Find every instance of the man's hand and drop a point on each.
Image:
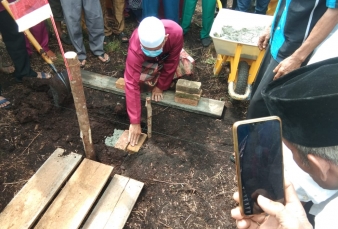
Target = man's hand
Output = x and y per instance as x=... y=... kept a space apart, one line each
x=134 y=134
x=264 y=38
x=287 y=65
x=157 y=94
x=290 y=216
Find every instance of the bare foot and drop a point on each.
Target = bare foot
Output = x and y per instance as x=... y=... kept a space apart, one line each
x=7 y=70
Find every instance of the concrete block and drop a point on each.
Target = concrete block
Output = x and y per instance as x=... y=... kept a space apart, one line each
x=187 y=86
x=120 y=84
x=190 y=102
x=184 y=95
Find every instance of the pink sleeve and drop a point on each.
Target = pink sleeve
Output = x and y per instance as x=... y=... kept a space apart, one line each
x=132 y=77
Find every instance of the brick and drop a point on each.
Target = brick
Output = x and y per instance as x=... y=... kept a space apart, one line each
x=184 y=95
x=120 y=84
x=191 y=87
x=135 y=149
x=122 y=142
x=190 y=102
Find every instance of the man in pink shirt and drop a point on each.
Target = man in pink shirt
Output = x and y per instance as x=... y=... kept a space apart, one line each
x=154 y=41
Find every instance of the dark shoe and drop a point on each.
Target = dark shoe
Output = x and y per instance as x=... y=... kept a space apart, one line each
x=40 y=76
x=65 y=39
x=206 y=41
x=123 y=37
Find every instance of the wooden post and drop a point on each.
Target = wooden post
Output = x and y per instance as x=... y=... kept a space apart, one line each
x=149 y=115
x=80 y=104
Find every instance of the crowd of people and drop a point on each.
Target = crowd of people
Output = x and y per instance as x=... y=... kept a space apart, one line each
x=303 y=95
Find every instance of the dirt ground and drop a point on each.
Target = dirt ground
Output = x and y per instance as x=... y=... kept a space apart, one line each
x=185 y=165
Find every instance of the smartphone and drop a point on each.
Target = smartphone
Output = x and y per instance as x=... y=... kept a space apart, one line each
x=259 y=162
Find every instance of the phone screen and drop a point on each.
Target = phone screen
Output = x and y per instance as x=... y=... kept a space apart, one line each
x=260 y=163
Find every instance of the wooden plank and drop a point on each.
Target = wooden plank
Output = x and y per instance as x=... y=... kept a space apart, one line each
x=136 y=148
x=116 y=204
x=208 y=107
x=71 y=206
x=104 y=208
x=125 y=205
x=38 y=192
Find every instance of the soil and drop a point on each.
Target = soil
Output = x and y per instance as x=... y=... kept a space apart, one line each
x=189 y=180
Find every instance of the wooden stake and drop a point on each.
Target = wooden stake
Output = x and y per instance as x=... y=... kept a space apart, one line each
x=80 y=104
x=149 y=115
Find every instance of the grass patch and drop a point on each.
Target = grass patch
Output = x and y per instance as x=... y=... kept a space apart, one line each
x=112 y=46
x=210 y=60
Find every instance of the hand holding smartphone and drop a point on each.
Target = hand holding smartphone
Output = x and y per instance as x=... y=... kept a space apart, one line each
x=259 y=162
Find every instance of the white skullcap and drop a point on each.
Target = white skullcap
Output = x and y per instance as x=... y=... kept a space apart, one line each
x=151 y=32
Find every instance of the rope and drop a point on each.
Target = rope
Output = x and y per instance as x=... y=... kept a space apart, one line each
x=144 y=129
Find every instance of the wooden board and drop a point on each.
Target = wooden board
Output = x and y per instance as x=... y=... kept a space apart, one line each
x=136 y=148
x=71 y=206
x=38 y=192
x=115 y=205
x=209 y=107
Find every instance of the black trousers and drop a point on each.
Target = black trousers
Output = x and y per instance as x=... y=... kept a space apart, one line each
x=16 y=46
x=257 y=107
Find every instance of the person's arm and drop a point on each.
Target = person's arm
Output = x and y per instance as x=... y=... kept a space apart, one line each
x=319 y=32
x=133 y=95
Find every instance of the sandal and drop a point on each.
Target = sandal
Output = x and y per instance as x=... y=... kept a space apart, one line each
x=40 y=75
x=82 y=63
x=106 y=40
x=4 y=101
x=123 y=37
x=103 y=57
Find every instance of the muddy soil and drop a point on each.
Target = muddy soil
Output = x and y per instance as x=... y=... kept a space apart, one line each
x=189 y=180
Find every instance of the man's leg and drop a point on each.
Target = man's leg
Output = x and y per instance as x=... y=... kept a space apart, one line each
x=150 y=8
x=208 y=13
x=261 y=6
x=95 y=26
x=118 y=8
x=107 y=28
x=257 y=107
x=16 y=47
x=243 y=5
x=188 y=11
x=171 y=9
x=72 y=12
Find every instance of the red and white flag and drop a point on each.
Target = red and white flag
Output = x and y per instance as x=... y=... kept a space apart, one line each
x=28 y=13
